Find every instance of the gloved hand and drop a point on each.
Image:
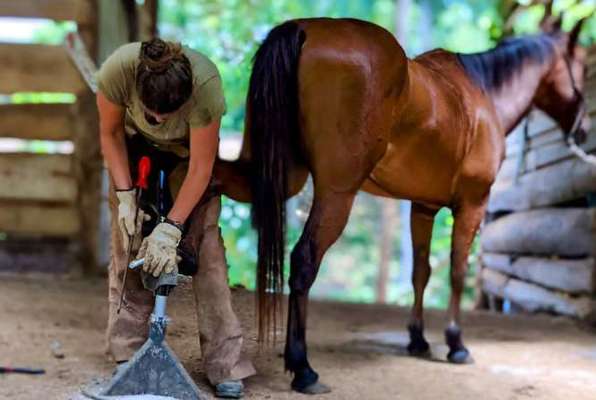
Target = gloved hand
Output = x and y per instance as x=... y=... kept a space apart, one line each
x=159 y=249
x=127 y=204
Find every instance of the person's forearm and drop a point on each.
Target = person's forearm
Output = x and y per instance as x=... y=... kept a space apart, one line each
x=190 y=193
x=113 y=147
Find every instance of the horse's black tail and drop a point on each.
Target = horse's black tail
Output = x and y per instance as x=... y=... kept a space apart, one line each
x=273 y=126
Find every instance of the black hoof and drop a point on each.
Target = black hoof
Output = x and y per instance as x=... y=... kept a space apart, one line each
x=418 y=346
x=458 y=354
x=316 y=388
x=307 y=382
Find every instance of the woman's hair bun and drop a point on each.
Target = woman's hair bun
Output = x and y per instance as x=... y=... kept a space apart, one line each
x=164 y=77
x=157 y=54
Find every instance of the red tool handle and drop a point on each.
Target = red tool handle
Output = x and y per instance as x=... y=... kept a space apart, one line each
x=144 y=170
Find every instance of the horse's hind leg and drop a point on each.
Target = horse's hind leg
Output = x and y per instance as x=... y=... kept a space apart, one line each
x=327 y=219
x=467 y=219
x=422 y=219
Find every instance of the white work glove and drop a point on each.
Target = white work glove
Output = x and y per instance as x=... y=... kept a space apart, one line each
x=127 y=205
x=159 y=249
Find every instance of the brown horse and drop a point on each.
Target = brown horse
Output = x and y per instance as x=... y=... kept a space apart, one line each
x=339 y=99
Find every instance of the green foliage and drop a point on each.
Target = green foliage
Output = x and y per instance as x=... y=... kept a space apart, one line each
x=53 y=32
x=240 y=240
x=42 y=97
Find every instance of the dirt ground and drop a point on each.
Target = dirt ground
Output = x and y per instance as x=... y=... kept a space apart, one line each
x=357 y=349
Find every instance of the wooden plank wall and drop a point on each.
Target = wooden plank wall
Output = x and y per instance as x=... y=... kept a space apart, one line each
x=37 y=121
x=37 y=68
x=48 y=196
x=39 y=192
x=81 y=11
x=539 y=242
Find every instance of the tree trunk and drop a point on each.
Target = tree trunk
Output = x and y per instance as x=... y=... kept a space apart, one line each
x=402 y=23
x=389 y=222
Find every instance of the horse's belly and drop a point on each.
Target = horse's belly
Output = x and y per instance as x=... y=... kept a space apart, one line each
x=413 y=177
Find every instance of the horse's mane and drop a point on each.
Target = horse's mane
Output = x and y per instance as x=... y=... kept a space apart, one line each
x=492 y=68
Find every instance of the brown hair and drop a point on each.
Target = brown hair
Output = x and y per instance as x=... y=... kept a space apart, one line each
x=164 y=76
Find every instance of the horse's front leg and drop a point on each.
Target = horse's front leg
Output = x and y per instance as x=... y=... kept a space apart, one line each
x=421 y=225
x=327 y=220
x=467 y=219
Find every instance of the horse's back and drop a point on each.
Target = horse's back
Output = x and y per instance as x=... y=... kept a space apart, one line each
x=357 y=47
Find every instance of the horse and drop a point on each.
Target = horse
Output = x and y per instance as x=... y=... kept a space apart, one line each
x=338 y=99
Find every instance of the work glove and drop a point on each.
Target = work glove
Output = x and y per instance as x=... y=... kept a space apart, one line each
x=159 y=249
x=127 y=205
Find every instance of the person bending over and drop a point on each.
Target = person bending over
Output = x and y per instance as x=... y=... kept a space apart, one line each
x=161 y=98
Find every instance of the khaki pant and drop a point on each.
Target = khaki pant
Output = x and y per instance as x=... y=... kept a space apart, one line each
x=220 y=333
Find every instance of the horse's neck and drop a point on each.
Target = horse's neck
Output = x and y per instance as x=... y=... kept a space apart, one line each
x=513 y=100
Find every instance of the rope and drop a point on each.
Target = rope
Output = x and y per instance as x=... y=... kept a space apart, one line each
x=580 y=153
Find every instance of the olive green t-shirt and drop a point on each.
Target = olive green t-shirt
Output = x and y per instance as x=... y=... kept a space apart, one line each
x=116 y=80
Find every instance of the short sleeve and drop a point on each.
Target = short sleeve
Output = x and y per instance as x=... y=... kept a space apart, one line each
x=209 y=103
x=117 y=73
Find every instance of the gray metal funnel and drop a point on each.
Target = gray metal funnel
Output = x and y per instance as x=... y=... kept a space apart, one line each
x=154 y=369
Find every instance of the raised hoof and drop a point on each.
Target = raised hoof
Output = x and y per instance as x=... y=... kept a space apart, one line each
x=418 y=346
x=461 y=356
x=315 y=388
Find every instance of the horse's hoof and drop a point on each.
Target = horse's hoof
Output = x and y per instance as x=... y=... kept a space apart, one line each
x=307 y=382
x=460 y=356
x=315 y=388
x=419 y=349
x=418 y=346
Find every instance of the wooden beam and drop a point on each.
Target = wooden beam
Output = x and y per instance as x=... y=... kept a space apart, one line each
x=559 y=183
x=567 y=232
x=534 y=298
x=37 y=177
x=39 y=219
x=542 y=155
x=540 y=122
x=36 y=121
x=568 y=275
x=80 y=11
x=494 y=282
x=37 y=68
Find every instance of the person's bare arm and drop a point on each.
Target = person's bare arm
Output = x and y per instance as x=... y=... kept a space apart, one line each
x=113 y=145
x=203 y=150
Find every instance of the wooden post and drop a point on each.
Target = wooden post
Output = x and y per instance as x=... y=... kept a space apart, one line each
x=87 y=161
x=117 y=25
x=88 y=169
x=148 y=20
